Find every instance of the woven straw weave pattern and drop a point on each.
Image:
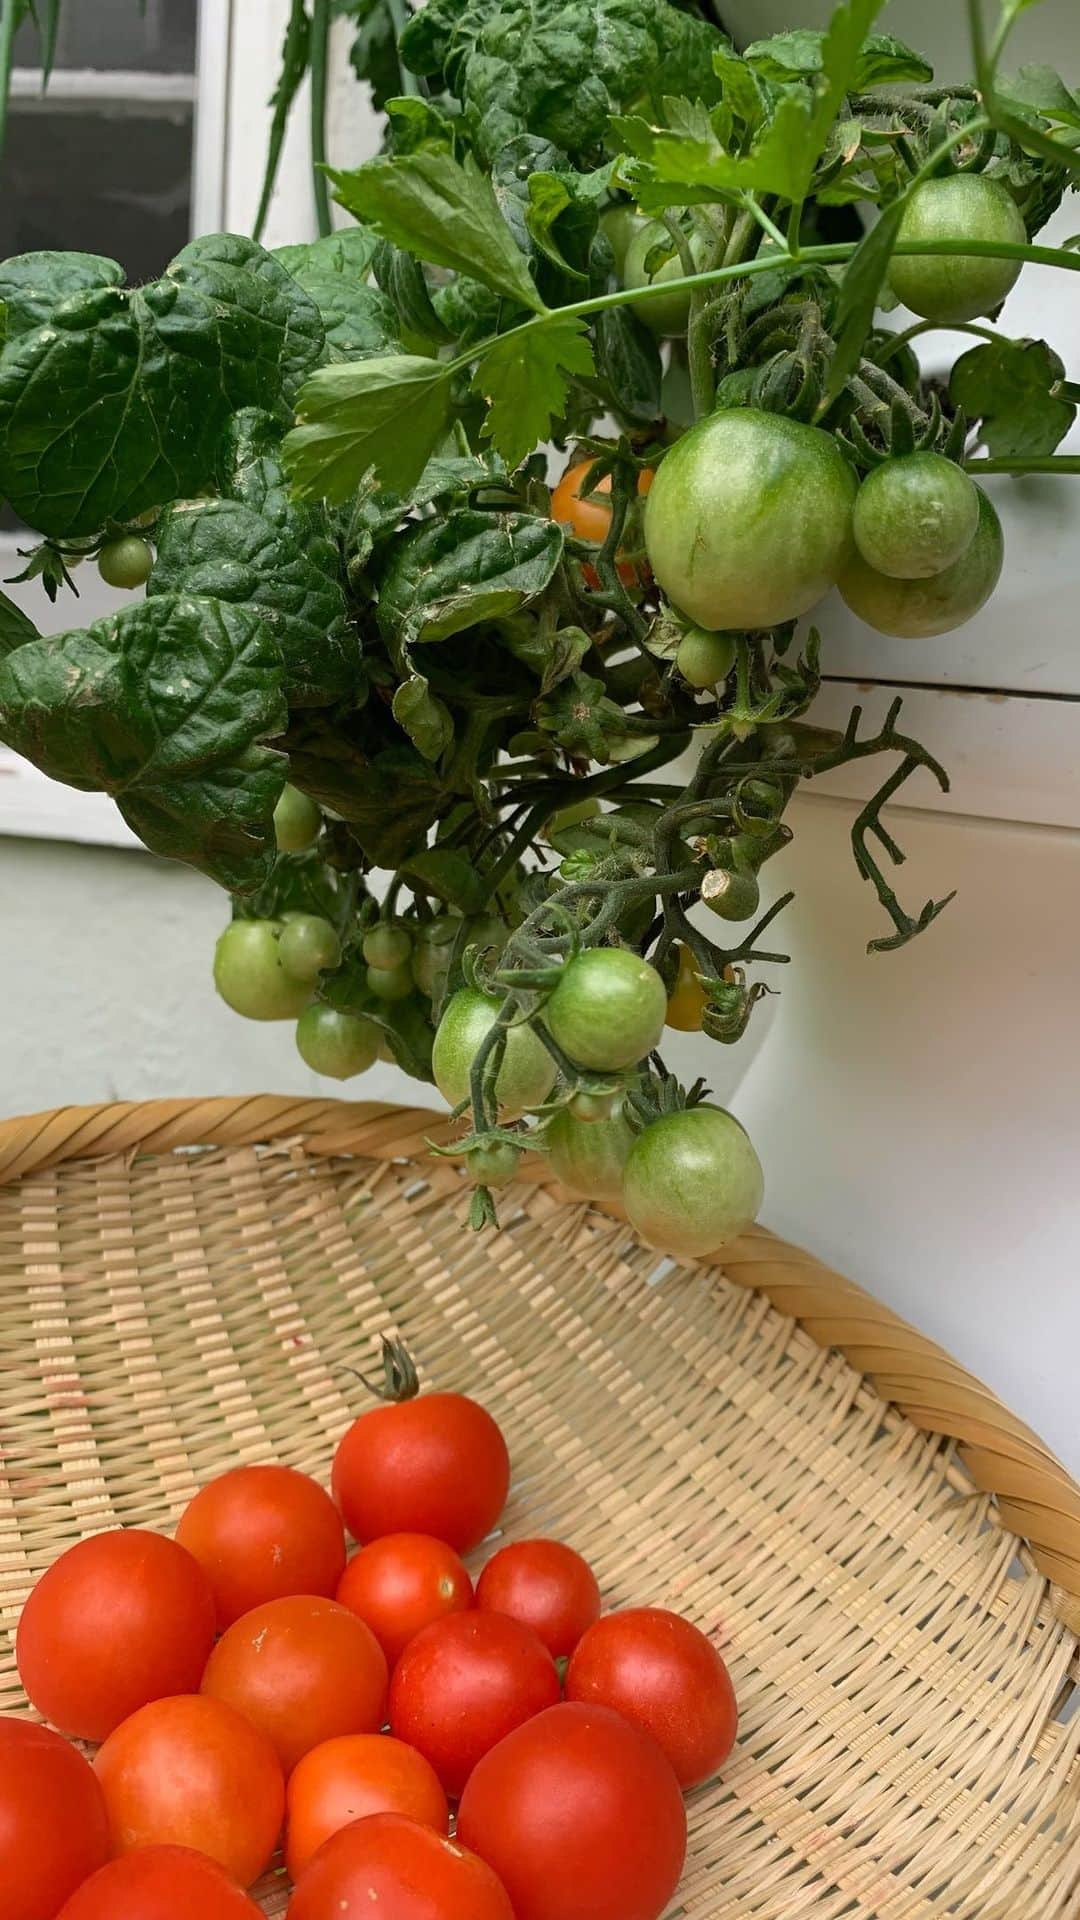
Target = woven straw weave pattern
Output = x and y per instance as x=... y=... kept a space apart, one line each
x=906 y=1750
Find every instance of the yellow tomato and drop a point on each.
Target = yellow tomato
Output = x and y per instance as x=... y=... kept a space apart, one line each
x=687 y=1000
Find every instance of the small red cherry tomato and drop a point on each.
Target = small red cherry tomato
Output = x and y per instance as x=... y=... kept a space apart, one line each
x=348 y=1779
x=661 y=1672
x=546 y=1586
x=433 y=1464
x=402 y=1582
x=261 y=1533
x=117 y=1620
x=302 y=1670
x=53 y=1826
x=463 y=1684
x=399 y=1871
x=161 y=1883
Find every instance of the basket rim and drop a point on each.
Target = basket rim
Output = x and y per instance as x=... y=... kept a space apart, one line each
x=1036 y=1497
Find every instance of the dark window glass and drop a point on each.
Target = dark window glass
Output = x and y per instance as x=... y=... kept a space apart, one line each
x=156 y=38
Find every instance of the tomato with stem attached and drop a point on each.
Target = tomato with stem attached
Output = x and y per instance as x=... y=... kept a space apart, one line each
x=262 y=1533
x=463 y=1684
x=921 y=609
x=126 y=562
x=607 y=1009
x=661 y=1672
x=435 y=1463
x=957 y=286
x=588 y=1156
x=665 y=314
x=545 y=1585
x=526 y=1073
x=350 y=1779
x=704 y=659
x=692 y=1182
x=53 y=1826
x=400 y=1870
x=915 y=516
x=400 y=1583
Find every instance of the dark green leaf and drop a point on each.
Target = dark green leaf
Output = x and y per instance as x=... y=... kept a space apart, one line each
x=883 y=60
x=628 y=364
x=348 y=252
x=524 y=377
x=389 y=797
x=374 y=53
x=444 y=212
x=859 y=290
x=165 y=706
x=552 y=656
x=16 y=628
x=463 y=568
x=416 y=123
x=1035 y=89
x=402 y=281
x=426 y=720
x=32 y=285
x=1009 y=386
x=387 y=414
x=451 y=877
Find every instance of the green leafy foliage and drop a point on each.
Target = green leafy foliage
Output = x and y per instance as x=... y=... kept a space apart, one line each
x=524 y=379
x=386 y=414
x=16 y=628
x=882 y=60
x=464 y=568
x=1014 y=389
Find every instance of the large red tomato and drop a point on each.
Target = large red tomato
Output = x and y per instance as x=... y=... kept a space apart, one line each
x=403 y=1582
x=261 y=1533
x=53 y=1829
x=660 y=1671
x=463 y=1684
x=116 y=1621
x=345 y=1780
x=581 y=1817
x=546 y=1586
x=301 y=1670
x=400 y=1871
x=161 y=1883
x=435 y=1464
x=192 y=1772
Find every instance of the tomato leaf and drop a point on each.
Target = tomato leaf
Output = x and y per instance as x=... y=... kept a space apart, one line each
x=402 y=281
x=32 y=285
x=348 y=252
x=883 y=61
x=1009 y=385
x=1039 y=90
x=16 y=628
x=552 y=656
x=165 y=706
x=863 y=278
x=628 y=364
x=451 y=877
x=426 y=720
x=524 y=378
x=387 y=414
x=443 y=211
x=465 y=567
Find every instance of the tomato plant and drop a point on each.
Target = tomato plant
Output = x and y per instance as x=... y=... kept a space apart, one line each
x=957 y=285
x=160 y=1883
x=402 y=1582
x=351 y=1778
x=116 y=1621
x=578 y=1812
x=463 y=1684
x=192 y=1772
x=692 y=1181
x=404 y=1870
x=302 y=1670
x=545 y=1585
x=53 y=1827
x=262 y=1533
x=659 y=1671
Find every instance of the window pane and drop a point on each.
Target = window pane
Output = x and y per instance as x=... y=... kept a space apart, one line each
x=117 y=33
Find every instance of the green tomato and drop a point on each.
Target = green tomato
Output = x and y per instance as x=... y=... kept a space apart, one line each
x=664 y=314
x=385 y=945
x=608 y=1009
x=336 y=1044
x=692 y=1182
x=493 y=1166
x=390 y=983
x=704 y=659
x=249 y=975
x=748 y=522
x=527 y=1073
x=296 y=821
x=126 y=562
x=431 y=952
x=620 y=224
x=957 y=286
x=589 y=1155
x=915 y=516
x=308 y=944
x=917 y=609
x=591 y=1107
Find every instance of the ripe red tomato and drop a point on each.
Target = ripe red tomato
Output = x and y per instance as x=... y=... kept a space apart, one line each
x=546 y=1586
x=581 y=1817
x=53 y=1829
x=405 y=1871
x=118 y=1620
x=463 y=1684
x=661 y=1672
x=301 y=1670
x=192 y=1772
x=348 y=1779
x=435 y=1464
x=589 y=519
x=403 y=1582
x=161 y=1883
x=261 y=1533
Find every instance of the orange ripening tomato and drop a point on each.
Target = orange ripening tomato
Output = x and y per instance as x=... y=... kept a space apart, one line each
x=261 y=1533
x=436 y=1463
x=590 y=518
x=402 y=1582
x=405 y=1872
x=161 y=1883
x=192 y=1772
x=348 y=1779
x=302 y=1670
x=53 y=1826
x=688 y=999
x=117 y=1620
x=546 y=1586
x=463 y=1684
x=661 y=1672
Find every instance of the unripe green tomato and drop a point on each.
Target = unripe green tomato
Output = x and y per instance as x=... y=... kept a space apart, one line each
x=526 y=1074
x=493 y=1166
x=591 y=1107
x=915 y=516
x=336 y=1044
x=385 y=945
x=608 y=1009
x=249 y=975
x=664 y=314
x=692 y=1182
x=957 y=286
x=126 y=562
x=431 y=952
x=589 y=1156
x=390 y=983
x=919 y=609
x=308 y=944
x=704 y=659
x=620 y=224
x=296 y=821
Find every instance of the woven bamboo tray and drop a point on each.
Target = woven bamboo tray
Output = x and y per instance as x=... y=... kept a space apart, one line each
x=889 y=1560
